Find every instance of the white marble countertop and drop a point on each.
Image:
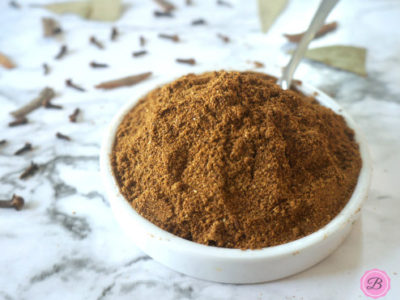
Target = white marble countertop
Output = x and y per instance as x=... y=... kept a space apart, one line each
x=66 y=244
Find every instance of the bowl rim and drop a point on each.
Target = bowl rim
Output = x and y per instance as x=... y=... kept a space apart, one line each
x=347 y=215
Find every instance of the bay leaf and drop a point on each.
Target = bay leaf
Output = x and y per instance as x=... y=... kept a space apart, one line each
x=105 y=10
x=346 y=58
x=268 y=11
x=80 y=8
x=6 y=62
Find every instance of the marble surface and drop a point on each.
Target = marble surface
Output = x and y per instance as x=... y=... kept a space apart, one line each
x=66 y=244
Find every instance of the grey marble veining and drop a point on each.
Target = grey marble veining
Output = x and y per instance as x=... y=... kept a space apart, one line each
x=66 y=243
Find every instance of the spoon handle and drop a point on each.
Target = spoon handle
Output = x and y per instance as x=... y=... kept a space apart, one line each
x=319 y=18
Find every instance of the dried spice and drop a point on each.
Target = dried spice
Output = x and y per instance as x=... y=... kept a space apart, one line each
x=70 y=84
x=165 y=5
x=6 y=62
x=50 y=27
x=269 y=11
x=63 y=51
x=96 y=42
x=188 y=61
x=232 y=160
x=46 y=69
x=16 y=202
x=142 y=41
x=61 y=136
x=224 y=38
x=73 y=117
x=163 y=14
x=139 y=53
x=172 y=37
x=223 y=3
x=18 y=122
x=29 y=171
x=126 y=81
x=27 y=147
x=199 y=22
x=3 y=142
x=94 y=64
x=258 y=64
x=45 y=95
x=348 y=58
x=296 y=38
x=114 y=33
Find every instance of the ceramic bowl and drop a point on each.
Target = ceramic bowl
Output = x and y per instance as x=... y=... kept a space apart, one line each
x=235 y=265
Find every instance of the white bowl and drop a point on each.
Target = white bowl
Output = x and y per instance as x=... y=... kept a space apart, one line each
x=235 y=265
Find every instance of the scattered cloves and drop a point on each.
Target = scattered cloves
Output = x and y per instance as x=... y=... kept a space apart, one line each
x=73 y=117
x=45 y=95
x=139 y=53
x=224 y=38
x=63 y=51
x=198 y=22
x=172 y=37
x=142 y=41
x=158 y=13
x=94 y=64
x=46 y=69
x=16 y=202
x=18 y=122
x=61 y=136
x=96 y=42
x=114 y=33
x=27 y=147
x=70 y=84
x=189 y=61
x=29 y=171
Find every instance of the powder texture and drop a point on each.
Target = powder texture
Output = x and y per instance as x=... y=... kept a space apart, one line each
x=230 y=159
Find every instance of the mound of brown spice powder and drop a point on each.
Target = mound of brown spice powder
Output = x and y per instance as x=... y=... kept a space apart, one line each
x=230 y=159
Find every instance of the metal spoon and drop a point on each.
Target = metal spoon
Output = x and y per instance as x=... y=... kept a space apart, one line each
x=319 y=18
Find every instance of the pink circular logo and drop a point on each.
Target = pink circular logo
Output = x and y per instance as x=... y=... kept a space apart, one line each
x=375 y=283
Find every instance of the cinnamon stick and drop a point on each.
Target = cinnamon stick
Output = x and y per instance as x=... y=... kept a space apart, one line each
x=296 y=38
x=126 y=81
x=45 y=95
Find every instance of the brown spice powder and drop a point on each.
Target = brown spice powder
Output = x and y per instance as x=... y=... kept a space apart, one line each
x=229 y=159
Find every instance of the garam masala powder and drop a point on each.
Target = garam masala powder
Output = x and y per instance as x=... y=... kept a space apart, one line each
x=229 y=159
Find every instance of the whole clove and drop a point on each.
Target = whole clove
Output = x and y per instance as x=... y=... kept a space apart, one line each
x=18 y=122
x=163 y=14
x=16 y=202
x=94 y=64
x=63 y=51
x=296 y=38
x=61 y=136
x=165 y=5
x=50 y=27
x=29 y=171
x=189 y=61
x=27 y=147
x=114 y=33
x=199 y=22
x=139 y=53
x=142 y=41
x=70 y=84
x=96 y=42
x=224 y=38
x=126 y=81
x=45 y=95
x=46 y=69
x=223 y=3
x=258 y=64
x=172 y=37
x=73 y=117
